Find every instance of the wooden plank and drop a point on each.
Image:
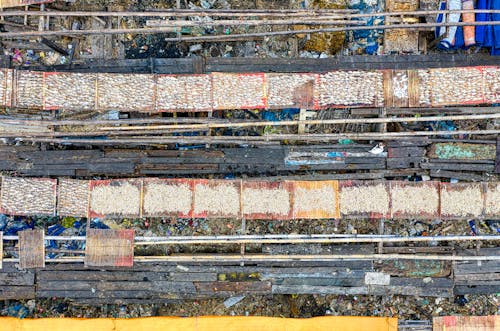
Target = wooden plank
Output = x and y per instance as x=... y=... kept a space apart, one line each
x=110 y=286
x=83 y=294
x=483 y=289
x=263 y=287
x=17 y=292
x=458 y=175
x=417 y=268
x=109 y=248
x=458 y=166
x=333 y=281
x=100 y=275
x=274 y=249
x=321 y=290
x=484 y=267
x=497 y=157
x=462 y=151
x=31 y=249
x=17 y=278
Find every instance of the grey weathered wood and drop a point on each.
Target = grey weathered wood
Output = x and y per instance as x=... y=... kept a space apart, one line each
x=461 y=290
x=16 y=292
x=274 y=249
x=322 y=290
x=154 y=286
x=458 y=166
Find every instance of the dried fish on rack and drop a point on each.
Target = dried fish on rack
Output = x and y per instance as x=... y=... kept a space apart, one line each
x=28 y=196
x=351 y=88
x=115 y=197
x=70 y=91
x=456 y=86
x=73 y=197
x=29 y=89
x=491 y=79
x=184 y=93
x=291 y=90
x=167 y=197
x=243 y=91
x=126 y=92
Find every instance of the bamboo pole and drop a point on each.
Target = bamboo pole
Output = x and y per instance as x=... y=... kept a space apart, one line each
x=207 y=38
x=347 y=13
x=266 y=139
x=307 y=122
x=282 y=258
x=281 y=239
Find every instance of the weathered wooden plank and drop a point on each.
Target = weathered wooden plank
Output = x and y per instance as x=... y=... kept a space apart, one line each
x=309 y=281
x=153 y=286
x=274 y=249
x=321 y=290
x=413 y=151
x=458 y=166
x=31 y=249
x=476 y=268
x=483 y=289
x=89 y=294
x=17 y=292
x=193 y=277
x=263 y=287
x=477 y=277
x=416 y=268
x=463 y=151
x=17 y=278
x=99 y=275
x=458 y=175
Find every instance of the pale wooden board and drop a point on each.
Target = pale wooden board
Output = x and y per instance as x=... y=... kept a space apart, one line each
x=31 y=249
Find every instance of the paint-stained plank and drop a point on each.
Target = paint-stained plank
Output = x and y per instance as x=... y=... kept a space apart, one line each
x=109 y=248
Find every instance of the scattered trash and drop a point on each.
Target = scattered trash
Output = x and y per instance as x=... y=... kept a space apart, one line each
x=473 y=229
x=378 y=149
x=233 y=300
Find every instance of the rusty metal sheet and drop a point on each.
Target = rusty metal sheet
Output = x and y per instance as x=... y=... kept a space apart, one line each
x=466 y=323
x=28 y=196
x=108 y=248
x=64 y=90
x=295 y=90
x=239 y=91
x=414 y=200
x=168 y=197
x=73 y=197
x=461 y=200
x=366 y=199
x=267 y=200
x=184 y=93
x=115 y=198
x=315 y=199
x=216 y=198
x=31 y=249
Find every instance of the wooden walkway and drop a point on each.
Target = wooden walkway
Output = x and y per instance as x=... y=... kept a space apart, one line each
x=163 y=282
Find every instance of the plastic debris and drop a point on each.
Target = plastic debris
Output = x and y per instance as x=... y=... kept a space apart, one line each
x=473 y=229
x=233 y=300
x=378 y=149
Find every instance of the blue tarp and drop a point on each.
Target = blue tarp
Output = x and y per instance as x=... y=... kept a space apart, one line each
x=486 y=36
